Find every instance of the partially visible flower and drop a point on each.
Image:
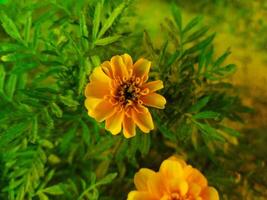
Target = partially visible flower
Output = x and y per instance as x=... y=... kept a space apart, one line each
x=175 y=180
x=118 y=92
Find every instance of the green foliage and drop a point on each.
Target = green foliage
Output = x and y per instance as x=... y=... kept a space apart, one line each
x=50 y=148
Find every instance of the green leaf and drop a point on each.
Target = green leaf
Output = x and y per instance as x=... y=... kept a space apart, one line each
x=176 y=12
x=68 y=101
x=230 y=131
x=2 y=78
x=54 y=190
x=199 y=104
x=83 y=32
x=221 y=59
x=201 y=45
x=10 y=27
x=196 y=35
x=11 y=86
x=56 y=110
x=42 y=196
x=107 y=179
x=12 y=133
x=209 y=132
x=108 y=23
x=86 y=134
x=206 y=115
x=192 y=24
x=27 y=28
x=107 y=40
x=96 y=21
x=144 y=145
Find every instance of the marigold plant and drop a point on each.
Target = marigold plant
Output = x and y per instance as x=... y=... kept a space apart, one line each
x=118 y=92
x=175 y=180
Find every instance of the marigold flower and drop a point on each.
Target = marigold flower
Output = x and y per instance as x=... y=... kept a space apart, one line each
x=118 y=92
x=175 y=180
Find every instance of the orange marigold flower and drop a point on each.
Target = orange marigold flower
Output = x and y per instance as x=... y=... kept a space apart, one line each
x=118 y=92
x=175 y=180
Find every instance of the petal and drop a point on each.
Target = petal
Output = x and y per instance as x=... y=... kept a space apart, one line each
x=141 y=178
x=128 y=127
x=127 y=59
x=102 y=111
x=178 y=159
x=107 y=69
x=118 y=67
x=99 y=75
x=113 y=124
x=156 y=185
x=210 y=193
x=192 y=175
x=141 y=68
x=154 y=100
x=178 y=185
x=194 y=189
x=135 y=195
x=90 y=103
x=171 y=170
x=143 y=120
x=153 y=86
x=97 y=89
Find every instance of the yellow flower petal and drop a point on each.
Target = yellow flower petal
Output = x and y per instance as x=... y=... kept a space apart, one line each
x=143 y=120
x=107 y=69
x=194 y=176
x=178 y=159
x=156 y=185
x=118 y=67
x=141 y=68
x=113 y=124
x=135 y=195
x=99 y=75
x=177 y=184
x=153 y=86
x=154 y=100
x=90 y=103
x=97 y=89
x=210 y=193
x=127 y=60
x=128 y=127
x=141 y=178
x=195 y=189
x=102 y=111
x=171 y=169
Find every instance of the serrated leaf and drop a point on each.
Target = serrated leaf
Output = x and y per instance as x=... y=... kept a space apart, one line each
x=2 y=78
x=68 y=101
x=107 y=40
x=56 y=110
x=10 y=27
x=96 y=21
x=199 y=104
x=206 y=115
x=192 y=24
x=221 y=59
x=200 y=45
x=11 y=86
x=196 y=35
x=176 y=12
x=85 y=133
x=108 y=23
x=210 y=132
x=83 y=31
x=107 y=179
x=12 y=133
x=54 y=190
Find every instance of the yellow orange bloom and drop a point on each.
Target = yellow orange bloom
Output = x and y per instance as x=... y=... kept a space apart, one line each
x=118 y=92
x=175 y=180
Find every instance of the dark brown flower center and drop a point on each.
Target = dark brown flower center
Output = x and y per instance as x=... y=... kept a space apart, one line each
x=128 y=92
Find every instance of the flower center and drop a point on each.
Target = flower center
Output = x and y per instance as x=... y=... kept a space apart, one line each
x=175 y=196
x=128 y=92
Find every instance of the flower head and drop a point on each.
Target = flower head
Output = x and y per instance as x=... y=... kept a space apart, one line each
x=175 y=180
x=118 y=92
